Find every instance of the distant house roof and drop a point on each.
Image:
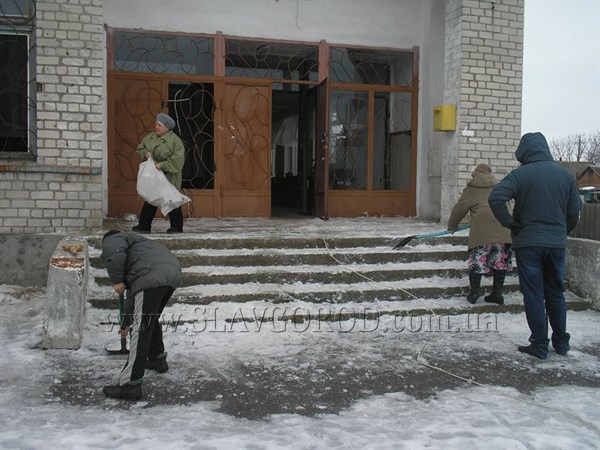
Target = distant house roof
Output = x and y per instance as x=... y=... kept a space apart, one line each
x=575 y=168
x=595 y=169
x=588 y=179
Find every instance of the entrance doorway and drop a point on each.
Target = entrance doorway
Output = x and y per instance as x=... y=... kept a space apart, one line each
x=269 y=127
x=293 y=152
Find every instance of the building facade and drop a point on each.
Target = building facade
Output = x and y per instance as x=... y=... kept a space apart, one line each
x=324 y=107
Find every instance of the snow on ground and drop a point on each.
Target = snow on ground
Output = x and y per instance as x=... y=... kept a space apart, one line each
x=468 y=416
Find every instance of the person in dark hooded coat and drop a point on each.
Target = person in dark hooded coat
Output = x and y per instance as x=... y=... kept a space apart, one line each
x=546 y=208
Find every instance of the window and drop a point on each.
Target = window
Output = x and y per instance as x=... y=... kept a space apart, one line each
x=371 y=128
x=275 y=61
x=365 y=66
x=161 y=53
x=17 y=79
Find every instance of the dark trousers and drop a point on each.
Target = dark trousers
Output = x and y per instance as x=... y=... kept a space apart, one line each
x=146 y=332
x=541 y=273
x=149 y=211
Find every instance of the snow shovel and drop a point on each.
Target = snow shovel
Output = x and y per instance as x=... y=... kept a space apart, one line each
x=407 y=239
x=122 y=350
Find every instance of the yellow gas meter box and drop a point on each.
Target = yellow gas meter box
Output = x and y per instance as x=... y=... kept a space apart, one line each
x=444 y=118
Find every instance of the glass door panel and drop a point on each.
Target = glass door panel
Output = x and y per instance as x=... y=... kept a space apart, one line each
x=392 y=156
x=348 y=144
x=193 y=107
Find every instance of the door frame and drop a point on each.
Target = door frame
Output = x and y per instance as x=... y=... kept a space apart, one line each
x=322 y=151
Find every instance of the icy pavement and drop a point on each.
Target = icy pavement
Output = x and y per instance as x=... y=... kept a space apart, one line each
x=449 y=382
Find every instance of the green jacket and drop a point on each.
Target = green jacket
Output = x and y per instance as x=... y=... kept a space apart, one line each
x=167 y=150
x=485 y=228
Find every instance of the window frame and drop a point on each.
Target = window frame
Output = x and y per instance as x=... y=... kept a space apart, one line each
x=25 y=25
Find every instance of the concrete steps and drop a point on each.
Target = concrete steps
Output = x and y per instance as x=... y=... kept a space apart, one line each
x=323 y=279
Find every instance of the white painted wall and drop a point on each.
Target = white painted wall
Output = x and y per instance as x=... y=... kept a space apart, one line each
x=431 y=145
x=390 y=23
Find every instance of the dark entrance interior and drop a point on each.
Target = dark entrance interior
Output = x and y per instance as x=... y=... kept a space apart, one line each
x=293 y=139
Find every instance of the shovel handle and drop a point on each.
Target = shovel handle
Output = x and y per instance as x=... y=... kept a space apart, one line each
x=121 y=321
x=124 y=344
x=121 y=309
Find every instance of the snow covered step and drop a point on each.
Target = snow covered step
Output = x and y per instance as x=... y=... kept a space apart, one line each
x=323 y=293
x=412 y=314
x=217 y=241
x=318 y=274
x=278 y=257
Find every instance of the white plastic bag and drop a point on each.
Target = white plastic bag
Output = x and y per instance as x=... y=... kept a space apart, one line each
x=153 y=186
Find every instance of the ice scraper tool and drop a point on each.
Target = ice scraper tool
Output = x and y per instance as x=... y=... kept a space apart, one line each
x=407 y=239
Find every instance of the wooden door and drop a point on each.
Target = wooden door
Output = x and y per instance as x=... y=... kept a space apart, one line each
x=244 y=168
x=133 y=109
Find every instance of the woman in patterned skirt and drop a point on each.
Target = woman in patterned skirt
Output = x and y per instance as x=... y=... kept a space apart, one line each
x=490 y=245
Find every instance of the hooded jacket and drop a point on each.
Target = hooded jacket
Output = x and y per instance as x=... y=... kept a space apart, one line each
x=547 y=203
x=167 y=150
x=139 y=262
x=485 y=228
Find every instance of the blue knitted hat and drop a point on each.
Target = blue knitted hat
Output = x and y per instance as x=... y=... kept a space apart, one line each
x=166 y=120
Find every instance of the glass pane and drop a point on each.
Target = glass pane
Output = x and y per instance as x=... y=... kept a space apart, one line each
x=392 y=141
x=22 y=9
x=275 y=61
x=193 y=105
x=14 y=101
x=348 y=139
x=361 y=66
x=137 y=52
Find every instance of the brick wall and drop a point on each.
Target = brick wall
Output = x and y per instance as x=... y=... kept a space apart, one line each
x=487 y=40
x=61 y=191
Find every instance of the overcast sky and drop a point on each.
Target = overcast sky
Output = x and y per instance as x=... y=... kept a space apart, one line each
x=561 y=67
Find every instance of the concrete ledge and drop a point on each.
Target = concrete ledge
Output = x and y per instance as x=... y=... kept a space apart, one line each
x=582 y=269
x=25 y=257
x=66 y=293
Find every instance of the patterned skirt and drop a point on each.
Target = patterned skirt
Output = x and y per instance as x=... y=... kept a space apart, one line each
x=488 y=257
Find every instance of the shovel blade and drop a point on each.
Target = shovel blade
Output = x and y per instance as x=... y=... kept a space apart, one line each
x=122 y=350
x=116 y=351
x=404 y=241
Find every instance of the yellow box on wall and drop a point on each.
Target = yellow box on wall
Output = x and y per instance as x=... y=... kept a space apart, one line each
x=444 y=118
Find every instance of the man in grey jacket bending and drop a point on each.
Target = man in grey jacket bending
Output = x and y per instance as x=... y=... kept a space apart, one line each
x=150 y=273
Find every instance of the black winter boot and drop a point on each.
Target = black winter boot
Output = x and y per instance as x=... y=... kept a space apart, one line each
x=496 y=295
x=475 y=283
x=158 y=364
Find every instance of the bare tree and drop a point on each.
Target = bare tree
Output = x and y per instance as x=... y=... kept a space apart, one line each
x=580 y=147
x=594 y=149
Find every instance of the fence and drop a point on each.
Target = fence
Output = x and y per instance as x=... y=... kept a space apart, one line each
x=589 y=223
